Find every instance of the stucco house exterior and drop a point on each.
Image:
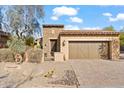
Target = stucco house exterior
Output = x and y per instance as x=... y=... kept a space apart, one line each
x=63 y=45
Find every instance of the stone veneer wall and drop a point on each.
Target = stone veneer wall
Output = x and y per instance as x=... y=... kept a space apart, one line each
x=115 y=49
x=48 y=34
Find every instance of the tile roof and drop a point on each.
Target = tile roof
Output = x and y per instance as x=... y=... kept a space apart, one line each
x=4 y=33
x=88 y=32
x=53 y=25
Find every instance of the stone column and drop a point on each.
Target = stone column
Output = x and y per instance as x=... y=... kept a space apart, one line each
x=115 y=49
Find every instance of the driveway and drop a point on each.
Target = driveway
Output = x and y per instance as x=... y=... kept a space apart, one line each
x=99 y=73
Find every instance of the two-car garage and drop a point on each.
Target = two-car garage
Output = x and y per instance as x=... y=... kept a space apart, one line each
x=88 y=50
x=89 y=45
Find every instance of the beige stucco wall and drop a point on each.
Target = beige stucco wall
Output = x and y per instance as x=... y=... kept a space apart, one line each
x=114 y=44
x=58 y=56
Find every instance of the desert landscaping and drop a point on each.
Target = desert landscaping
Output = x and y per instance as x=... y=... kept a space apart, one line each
x=71 y=74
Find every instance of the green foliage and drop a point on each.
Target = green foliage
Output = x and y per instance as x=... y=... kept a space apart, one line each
x=109 y=28
x=16 y=45
x=29 y=41
x=122 y=39
x=38 y=45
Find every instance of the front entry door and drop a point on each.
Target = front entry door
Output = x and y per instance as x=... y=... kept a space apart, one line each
x=53 y=46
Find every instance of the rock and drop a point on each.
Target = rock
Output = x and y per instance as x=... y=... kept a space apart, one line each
x=50 y=73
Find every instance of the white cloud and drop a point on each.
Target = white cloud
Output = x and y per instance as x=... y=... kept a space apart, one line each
x=75 y=27
x=112 y=19
x=72 y=27
x=107 y=14
x=91 y=28
x=118 y=17
x=59 y=11
x=63 y=10
x=54 y=18
x=76 y=19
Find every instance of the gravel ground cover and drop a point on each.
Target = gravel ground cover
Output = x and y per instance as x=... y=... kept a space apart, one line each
x=71 y=74
x=32 y=75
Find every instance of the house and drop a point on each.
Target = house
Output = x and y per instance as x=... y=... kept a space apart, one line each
x=62 y=45
x=3 y=39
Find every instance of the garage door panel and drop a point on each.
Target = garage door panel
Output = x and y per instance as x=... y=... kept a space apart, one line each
x=74 y=52
x=93 y=50
x=81 y=53
x=77 y=51
x=88 y=50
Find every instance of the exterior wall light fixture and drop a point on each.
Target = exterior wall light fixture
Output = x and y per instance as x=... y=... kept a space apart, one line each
x=63 y=43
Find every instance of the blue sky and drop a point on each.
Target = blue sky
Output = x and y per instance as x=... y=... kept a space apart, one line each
x=84 y=16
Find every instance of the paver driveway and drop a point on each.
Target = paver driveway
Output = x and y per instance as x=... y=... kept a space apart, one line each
x=99 y=73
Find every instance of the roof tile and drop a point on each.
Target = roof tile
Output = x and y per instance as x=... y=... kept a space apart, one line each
x=88 y=32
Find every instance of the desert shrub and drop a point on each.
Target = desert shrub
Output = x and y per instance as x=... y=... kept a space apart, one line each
x=16 y=45
x=29 y=41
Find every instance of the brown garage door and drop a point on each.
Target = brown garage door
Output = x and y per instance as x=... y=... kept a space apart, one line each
x=88 y=50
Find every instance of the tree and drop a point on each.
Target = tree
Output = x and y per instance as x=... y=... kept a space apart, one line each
x=24 y=20
x=122 y=37
x=29 y=41
x=3 y=23
x=109 y=28
x=1 y=17
x=122 y=30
